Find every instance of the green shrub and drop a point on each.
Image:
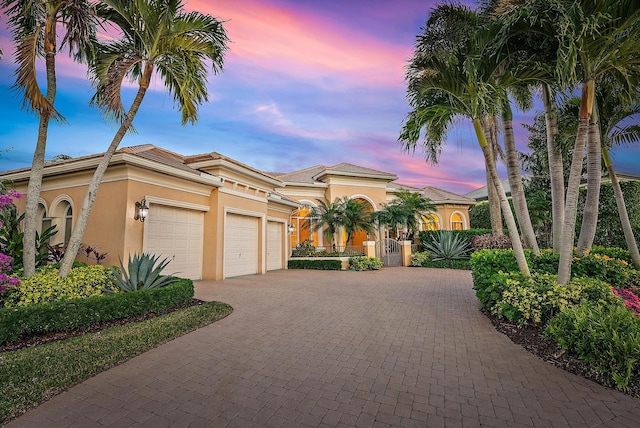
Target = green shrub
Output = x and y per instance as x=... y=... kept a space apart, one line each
x=47 y=286
x=461 y=264
x=486 y=266
x=605 y=268
x=304 y=249
x=365 y=263
x=315 y=264
x=142 y=273
x=537 y=299
x=613 y=252
x=419 y=258
x=606 y=336
x=71 y=314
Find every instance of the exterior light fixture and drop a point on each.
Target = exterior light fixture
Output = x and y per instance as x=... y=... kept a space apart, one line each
x=291 y=229
x=142 y=210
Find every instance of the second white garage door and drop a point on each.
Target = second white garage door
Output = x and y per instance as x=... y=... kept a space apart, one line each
x=176 y=234
x=274 y=245
x=240 y=245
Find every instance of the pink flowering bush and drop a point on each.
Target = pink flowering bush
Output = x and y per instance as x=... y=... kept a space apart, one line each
x=631 y=299
x=7 y=197
x=8 y=283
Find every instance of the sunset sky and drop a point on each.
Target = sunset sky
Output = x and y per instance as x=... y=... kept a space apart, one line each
x=305 y=82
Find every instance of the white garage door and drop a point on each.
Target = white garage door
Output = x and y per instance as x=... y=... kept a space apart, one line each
x=176 y=233
x=274 y=245
x=240 y=245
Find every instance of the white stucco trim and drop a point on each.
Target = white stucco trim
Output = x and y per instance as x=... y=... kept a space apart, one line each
x=242 y=194
x=177 y=204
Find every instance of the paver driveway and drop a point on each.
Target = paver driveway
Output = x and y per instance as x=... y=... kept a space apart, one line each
x=400 y=347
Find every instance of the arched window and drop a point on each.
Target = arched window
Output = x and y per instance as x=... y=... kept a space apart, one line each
x=430 y=222
x=68 y=222
x=457 y=222
x=42 y=221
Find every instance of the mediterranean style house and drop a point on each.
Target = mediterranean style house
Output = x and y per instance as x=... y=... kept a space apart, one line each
x=212 y=216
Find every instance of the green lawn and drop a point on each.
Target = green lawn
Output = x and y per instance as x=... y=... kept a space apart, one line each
x=29 y=376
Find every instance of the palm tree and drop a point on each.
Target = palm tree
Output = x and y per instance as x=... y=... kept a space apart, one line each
x=616 y=129
x=356 y=217
x=595 y=38
x=449 y=77
x=328 y=216
x=157 y=35
x=414 y=206
x=34 y=27
x=393 y=216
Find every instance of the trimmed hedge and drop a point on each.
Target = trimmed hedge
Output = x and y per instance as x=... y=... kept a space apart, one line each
x=448 y=264
x=71 y=314
x=315 y=264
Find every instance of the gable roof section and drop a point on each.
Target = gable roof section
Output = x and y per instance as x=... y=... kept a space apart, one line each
x=303 y=176
x=215 y=159
x=440 y=196
x=350 y=170
x=395 y=187
x=162 y=156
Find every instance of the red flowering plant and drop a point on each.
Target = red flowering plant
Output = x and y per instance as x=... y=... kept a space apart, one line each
x=631 y=300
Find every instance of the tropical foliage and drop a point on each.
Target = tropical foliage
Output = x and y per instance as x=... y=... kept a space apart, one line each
x=144 y=271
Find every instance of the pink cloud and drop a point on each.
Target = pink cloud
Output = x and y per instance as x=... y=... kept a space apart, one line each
x=302 y=44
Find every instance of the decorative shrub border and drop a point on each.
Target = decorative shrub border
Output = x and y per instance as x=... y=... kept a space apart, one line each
x=315 y=263
x=447 y=264
x=71 y=314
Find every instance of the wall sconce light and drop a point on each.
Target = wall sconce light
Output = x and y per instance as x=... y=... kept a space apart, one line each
x=291 y=229
x=142 y=210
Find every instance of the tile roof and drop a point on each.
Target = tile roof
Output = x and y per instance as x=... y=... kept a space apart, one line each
x=440 y=195
x=302 y=176
x=162 y=156
x=397 y=186
x=217 y=156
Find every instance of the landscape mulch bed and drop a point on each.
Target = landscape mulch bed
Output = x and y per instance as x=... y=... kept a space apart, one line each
x=530 y=338
x=30 y=340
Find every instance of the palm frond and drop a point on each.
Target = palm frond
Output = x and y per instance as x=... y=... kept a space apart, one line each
x=26 y=78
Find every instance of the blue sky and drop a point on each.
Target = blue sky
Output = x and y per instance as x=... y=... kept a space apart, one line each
x=304 y=83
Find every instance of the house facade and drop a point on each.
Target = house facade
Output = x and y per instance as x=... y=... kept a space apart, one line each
x=212 y=216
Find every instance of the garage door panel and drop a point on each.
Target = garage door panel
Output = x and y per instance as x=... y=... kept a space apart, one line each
x=274 y=245
x=240 y=245
x=176 y=234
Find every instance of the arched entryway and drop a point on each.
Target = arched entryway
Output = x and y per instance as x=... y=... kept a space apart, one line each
x=360 y=236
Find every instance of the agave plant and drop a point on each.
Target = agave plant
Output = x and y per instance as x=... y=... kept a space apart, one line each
x=447 y=246
x=142 y=273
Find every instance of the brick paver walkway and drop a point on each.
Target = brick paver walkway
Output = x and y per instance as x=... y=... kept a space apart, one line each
x=398 y=347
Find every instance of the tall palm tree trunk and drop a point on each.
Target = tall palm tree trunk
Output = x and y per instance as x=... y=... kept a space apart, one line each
x=556 y=172
x=629 y=238
x=495 y=212
x=92 y=191
x=594 y=177
x=515 y=181
x=37 y=166
x=518 y=250
x=573 y=186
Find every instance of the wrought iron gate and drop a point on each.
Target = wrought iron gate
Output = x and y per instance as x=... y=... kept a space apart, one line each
x=388 y=250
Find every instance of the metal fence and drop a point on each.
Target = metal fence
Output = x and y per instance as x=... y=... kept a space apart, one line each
x=328 y=251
